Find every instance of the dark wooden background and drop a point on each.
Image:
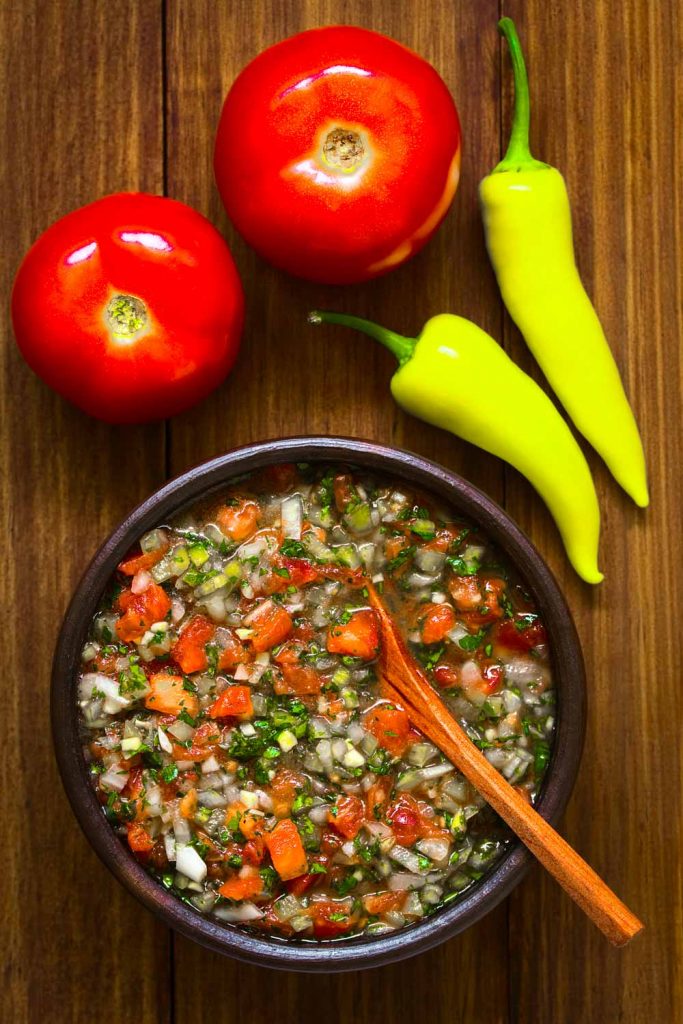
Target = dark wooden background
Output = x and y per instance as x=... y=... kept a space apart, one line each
x=106 y=95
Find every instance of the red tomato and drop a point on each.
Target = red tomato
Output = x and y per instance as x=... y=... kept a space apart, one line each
x=233 y=702
x=347 y=816
x=270 y=624
x=189 y=650
x=513 y=637
x=437 y=621
x=338 y=154
x=130 y=307
x=391 y=728
x=140 y=611
x=358 y=637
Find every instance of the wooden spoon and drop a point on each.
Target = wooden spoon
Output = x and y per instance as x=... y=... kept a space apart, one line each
x=406 y=683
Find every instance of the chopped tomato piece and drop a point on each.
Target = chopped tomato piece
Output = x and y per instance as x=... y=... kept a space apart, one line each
x=490 y=610
x=254 y=850
x=447 y=676
x=189 y=650
x=251 y=824
x=393 y=545
x=303 y=631
x=317 y=531
x=298 y=886
x=466 y=592
x=270 y=625
x=330 y=918
x=232 y=653
x=380 y=902
x=283 y=789
x=203 y=744
x=429 y=824
x=296 y=678
x=438 y=620
x=352 y=577
x=493 y=677
x=359 y=637
x=239 y=520
x=376 y=797
x=145 y=560
x=242 y=887
x=280 y=477
x=233 y=702
x=286 y=850
x=391 y=728
x=139 y=840
x=516 y=636
x=347 y=816
x=188 y=805
x=141 y=611
x=405 y=820
x=291 y=572
x=168 y=696
x=133 y=788
x=344 y=490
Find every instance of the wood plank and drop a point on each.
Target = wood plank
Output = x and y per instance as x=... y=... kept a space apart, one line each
x=80 y=93
x=606 y=112
x=339 y=385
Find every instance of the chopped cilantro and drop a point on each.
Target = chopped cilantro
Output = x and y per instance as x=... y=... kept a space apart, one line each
x=292 y=548
x=473 y=641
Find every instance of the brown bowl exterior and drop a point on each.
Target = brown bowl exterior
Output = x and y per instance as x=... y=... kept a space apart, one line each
x=360 y=952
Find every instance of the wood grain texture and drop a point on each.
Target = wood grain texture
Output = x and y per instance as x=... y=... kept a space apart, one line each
x=75 y=123
x=82 y=94
x=606 y=110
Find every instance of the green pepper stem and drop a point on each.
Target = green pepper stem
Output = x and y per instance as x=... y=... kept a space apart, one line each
x=518 y=154
x=402 y=348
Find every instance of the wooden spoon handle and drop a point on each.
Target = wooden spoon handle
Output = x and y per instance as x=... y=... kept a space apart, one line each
x=575 y=876
x=407 y=683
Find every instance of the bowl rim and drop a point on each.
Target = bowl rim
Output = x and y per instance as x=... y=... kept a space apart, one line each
x=568 y=671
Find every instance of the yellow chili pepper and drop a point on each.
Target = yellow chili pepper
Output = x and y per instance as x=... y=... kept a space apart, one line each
x=456 y=376
x=529 y=237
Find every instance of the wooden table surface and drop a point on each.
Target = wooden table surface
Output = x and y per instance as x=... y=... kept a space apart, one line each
x=107 y=95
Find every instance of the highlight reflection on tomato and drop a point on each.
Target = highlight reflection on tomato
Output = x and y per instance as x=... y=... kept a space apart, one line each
x=338 y=154
x=130 y=307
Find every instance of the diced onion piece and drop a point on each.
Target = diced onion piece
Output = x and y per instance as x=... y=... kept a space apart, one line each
x=436 y=849
x=182 y=731
x=292 y=515
x=238 y=915
x=210 y=765
x=353 y=758
x=104 y=684
x=406 y=858
x=141 y=581
x=456 y=634
x=287 y=740
x=429 y=561
x=287 y=906
x=189 y=863
x=412 y=907
x=164 y=741
x=401 y=880
x=248 y=798
x=114 y=779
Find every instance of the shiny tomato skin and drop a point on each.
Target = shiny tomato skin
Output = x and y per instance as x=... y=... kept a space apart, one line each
x=298 y=212
x=164 y=254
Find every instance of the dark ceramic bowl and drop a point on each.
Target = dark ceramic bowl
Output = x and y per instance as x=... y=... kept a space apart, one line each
x=360 y=952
